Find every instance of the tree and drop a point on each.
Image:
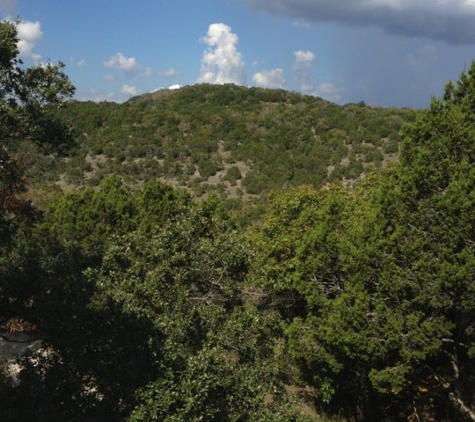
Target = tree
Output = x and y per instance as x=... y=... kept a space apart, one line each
x=25 y=96
x=164 y=305
x=86 y=219
x=394 y=334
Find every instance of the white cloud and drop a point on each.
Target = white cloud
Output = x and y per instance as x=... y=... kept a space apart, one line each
x=222 y=62
x=307 y=87
x=128 y=65
x=109 y=78
x=130 y=90
x=273 y=78
x=169 y=72
x=29 y=33
x=447 y=20
x=148 y=72
x=303 y=59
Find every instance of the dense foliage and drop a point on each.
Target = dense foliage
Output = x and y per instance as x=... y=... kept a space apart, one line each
x=232 y=140
x=26 y=95
x=377 y=285
x=355 y=304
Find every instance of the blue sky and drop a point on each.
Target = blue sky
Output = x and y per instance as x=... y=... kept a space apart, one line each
x=384 y=52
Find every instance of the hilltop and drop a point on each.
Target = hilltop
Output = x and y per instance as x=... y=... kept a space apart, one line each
x=237 y=141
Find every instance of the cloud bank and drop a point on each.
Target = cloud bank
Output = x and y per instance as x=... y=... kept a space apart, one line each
x=221 y=62
x=451 y=21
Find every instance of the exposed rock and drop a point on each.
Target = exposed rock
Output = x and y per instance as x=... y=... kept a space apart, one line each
x=14 y=345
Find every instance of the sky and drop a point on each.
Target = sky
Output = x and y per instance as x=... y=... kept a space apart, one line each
x=388 y=53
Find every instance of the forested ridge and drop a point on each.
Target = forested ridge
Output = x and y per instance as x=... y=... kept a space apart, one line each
x=227 y=139
x=337 y=301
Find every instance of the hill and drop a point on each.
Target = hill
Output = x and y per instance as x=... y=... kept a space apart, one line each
x=238 y=141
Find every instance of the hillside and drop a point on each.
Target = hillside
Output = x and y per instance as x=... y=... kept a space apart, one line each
x=237 y=141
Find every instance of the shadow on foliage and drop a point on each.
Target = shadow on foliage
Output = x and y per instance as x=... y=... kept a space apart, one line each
x=93 y=361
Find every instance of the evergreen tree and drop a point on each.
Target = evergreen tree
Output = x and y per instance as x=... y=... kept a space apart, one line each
x=26 y=95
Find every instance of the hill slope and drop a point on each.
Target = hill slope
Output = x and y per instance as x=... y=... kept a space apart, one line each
x=236 y=140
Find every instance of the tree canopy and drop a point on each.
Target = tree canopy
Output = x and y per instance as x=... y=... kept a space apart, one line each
x=26 y=93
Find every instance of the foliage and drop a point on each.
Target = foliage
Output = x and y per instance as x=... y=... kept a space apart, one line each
x=160 y=299
x=199 y=133
x=25 y=94
x=26 y=97
x=151 y=306
x=377 y=285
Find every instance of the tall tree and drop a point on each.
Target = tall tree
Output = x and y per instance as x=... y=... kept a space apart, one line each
x=26 y=93
x=382 y=316
x=26 y=96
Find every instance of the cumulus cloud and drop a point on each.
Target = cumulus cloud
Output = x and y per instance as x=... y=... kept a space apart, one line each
x=447 y=20
x=130 y=90
x=29 y=33
x=273 y=78
x=222 y=62
x=302 y=63
x=128 y=65
x=303 y=59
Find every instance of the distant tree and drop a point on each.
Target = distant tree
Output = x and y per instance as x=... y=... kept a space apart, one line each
x=232 y=175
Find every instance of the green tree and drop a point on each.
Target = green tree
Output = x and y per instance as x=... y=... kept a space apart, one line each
x=87 y=219
x=26 y=94
x=165 y=304
x=189 y=350
x=396 y=335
